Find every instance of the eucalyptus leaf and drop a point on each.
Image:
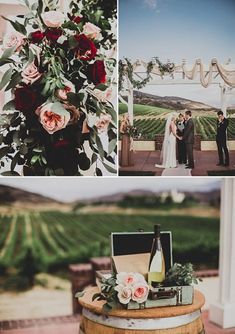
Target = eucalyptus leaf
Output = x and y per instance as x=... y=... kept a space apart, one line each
x=112 y=145
x=15 y=79
x=17 y=26
x=101 y=87
x=79 y=294
x=15 y=161
x=4 y=151
x=6 y=78
x=109 y=168
x=8 y=52
x=10 y=105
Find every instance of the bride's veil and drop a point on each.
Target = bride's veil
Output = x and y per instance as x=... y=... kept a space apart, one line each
x=166 y=137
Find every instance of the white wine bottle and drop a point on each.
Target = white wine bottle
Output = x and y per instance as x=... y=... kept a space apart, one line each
x=156 y=272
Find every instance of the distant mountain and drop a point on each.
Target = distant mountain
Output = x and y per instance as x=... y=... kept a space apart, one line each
x=171 y=102
x=15 y=197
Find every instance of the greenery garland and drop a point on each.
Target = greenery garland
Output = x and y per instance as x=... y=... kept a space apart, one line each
x=126 y=69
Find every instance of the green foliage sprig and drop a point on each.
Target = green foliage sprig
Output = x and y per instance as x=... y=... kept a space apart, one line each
x=180 y=275
x=126 y=69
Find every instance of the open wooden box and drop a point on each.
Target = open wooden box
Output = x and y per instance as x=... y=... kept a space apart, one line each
x=130 y=252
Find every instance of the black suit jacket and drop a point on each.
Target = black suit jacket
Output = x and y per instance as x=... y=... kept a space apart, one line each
x=221 y=128
x=188 y=135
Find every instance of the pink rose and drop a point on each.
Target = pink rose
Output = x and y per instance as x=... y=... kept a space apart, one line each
x=53 y=116
x=14 y=39
x=140 y=292
x=53 y=18
x=91 y=30
x=103 y=96
x=124 y=294
x=62 y=93
x=103 y=123
x=30 y=74
x=130 y=278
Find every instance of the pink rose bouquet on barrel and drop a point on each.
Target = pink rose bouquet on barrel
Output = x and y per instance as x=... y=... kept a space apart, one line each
x=56 y=66
x=122 y=288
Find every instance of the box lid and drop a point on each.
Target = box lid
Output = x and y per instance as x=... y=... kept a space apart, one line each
x=128 y=243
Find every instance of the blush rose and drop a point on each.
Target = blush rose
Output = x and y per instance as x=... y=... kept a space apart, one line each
x=53 y=18
x=140 y=292
x=91 y=30
x=68 y=88
x=30 y=74
x=14 y=39
x=103 y=123
x=52 y=121
x=124 y=294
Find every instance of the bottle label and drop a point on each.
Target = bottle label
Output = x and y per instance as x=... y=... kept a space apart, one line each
x=156 y=264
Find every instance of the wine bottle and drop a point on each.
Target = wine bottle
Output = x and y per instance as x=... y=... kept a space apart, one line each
x=156 y=271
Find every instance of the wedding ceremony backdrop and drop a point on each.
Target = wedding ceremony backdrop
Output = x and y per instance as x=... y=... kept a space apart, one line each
x=58 y=88
x=136 y=75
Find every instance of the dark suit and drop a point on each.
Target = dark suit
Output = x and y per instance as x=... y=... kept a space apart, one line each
x=221 y=140
x=180 y=143
x=188 y=138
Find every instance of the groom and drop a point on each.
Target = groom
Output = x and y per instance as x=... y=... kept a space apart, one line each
x=188 y=138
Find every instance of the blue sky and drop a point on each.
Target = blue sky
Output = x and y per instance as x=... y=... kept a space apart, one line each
x=69 y=189
x=177 y=29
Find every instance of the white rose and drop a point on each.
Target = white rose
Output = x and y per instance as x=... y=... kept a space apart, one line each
x=53 y=18
x=124 y=294
x=103 y=96
x=103 y=123
x=91 y=30
x=13 y=39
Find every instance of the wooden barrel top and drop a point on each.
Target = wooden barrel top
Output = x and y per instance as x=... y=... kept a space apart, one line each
x=157 y=312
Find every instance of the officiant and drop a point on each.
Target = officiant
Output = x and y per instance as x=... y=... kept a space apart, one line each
x=181 y=148
x=221 y=139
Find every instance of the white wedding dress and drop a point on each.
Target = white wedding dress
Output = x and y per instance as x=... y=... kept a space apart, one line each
x=168 y=154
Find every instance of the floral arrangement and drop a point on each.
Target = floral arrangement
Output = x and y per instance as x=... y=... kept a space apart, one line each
x=121 y=289
x=61 y=78
x=180 y=275
x=126 y=70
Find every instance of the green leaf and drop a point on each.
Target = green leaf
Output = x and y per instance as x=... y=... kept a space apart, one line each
x=6 y=78
x=100 y=146
x=8 y=52
x=34 y=159
x=98 y=172
x=93 y=158
x=17 y=26
x=101 y=87
x=95 y=296
x=23 y=149
x=112 y=145
x=15 y=79
x=109 y=168
x=4 y=151
x=9 y=106
x=14 y=161
x=73 y=43
x=10 y=173
x=106 y=308
x=4 y=61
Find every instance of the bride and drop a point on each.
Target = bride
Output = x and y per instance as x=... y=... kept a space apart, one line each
x=168 y=154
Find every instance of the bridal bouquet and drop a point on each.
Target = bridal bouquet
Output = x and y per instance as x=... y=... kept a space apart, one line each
x=121 y=289
x=60 y=120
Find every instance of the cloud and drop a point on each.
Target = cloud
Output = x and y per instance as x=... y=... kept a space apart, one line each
x=152 y=4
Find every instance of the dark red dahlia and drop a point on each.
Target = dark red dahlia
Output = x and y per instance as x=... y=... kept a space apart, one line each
x=53 y=34
x=26 y=100
x=96 y=72
x=37 y=36
x=86 y=48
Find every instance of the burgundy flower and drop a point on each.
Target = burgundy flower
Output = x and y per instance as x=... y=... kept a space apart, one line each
x=53 y=34
x=77 y=19
x=26 y=100
x=37 y=36
x=86 y=48
x=96 y=72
